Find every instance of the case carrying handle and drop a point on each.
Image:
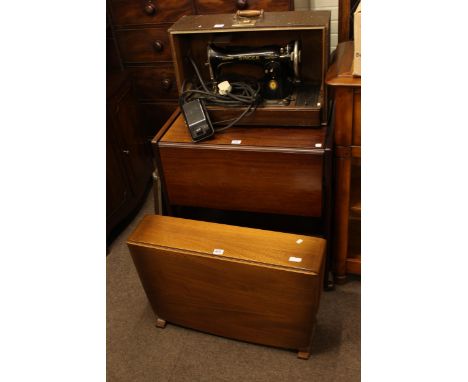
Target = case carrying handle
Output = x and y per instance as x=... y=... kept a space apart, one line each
x=250 y=13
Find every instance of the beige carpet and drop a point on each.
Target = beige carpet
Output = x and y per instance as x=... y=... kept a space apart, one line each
x=138 y=352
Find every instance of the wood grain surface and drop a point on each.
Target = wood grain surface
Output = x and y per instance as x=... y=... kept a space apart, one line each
x=231 y=6
x=132 y=12
x=270 y=20
x=272 y=170
x=357 y=117
x=150 y=82
x=139 y=45
x=256 y=181
x=242 y=294
x=344 y=116
x=267 y=248
x=271 y=115
x=280 y=137
x=347 y=139
x=340 y=72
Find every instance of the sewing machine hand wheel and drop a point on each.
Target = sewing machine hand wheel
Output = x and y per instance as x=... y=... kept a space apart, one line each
x=296 y=59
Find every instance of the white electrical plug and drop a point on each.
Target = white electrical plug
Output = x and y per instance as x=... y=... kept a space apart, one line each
x=224 y=87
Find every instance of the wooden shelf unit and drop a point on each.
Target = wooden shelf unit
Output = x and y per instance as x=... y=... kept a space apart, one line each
x=346 y=91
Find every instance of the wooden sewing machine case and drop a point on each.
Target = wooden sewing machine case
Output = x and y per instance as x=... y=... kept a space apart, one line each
x=247 y=284
x=191 y=35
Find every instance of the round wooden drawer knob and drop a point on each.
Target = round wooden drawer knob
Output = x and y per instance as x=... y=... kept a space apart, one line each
x=166 y=83
x=150 y=8
x=241 y=4
x=158 y=46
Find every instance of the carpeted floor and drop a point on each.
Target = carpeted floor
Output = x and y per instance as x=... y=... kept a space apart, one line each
x=138 y=352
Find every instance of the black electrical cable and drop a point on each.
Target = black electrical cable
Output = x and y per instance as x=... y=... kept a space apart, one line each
x=242 y=94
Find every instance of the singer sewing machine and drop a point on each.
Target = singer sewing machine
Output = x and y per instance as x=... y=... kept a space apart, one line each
x=280 y=66
x=286 y=53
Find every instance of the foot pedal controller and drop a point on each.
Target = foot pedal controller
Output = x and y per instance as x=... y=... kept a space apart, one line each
x=197 y=120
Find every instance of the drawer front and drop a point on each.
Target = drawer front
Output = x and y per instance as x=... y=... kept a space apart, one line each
x=244 y=180
x=144 y=45
x=153 y=83
x=231 y=6
x=131 y=12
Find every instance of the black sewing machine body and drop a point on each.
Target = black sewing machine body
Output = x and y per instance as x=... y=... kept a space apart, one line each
x=280 y=66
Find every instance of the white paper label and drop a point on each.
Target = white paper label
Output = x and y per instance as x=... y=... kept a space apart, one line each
x=318 y=145
x=295 y=259
x=299 y=241
x=218 y=251
x=219 y=26
x=236 y=142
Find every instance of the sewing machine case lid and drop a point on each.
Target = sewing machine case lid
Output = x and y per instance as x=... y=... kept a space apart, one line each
x=269 y=21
